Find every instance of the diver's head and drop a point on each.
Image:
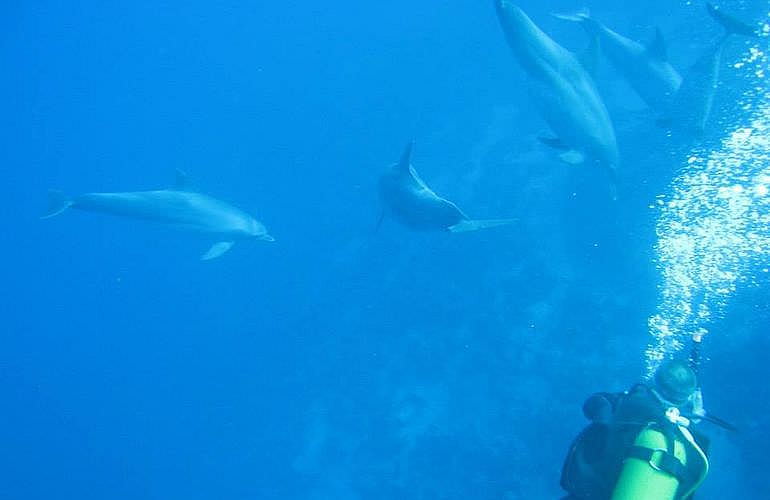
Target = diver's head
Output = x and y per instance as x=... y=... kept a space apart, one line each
x=675 y=382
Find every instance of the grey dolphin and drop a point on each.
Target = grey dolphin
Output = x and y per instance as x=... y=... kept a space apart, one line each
x=645 y=68
x=415 y=205
x=562 y=88
x=691 y=107
x=179 y=207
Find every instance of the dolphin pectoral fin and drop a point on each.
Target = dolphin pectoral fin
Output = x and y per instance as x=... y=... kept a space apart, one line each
x=658 y=48
x=474 y=225
x=572 y=157
x=553 y=142
x=57 y=203
x=217 y=249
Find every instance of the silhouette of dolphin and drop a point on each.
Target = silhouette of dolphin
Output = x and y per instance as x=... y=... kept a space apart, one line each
x=415 y=205
x=179 y=207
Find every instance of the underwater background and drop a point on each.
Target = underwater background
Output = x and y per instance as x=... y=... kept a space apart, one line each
x=345 y=361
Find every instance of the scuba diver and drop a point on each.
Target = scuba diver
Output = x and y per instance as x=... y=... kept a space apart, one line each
x=639 y=445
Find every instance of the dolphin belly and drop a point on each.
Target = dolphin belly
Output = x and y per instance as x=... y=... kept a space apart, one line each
x=423 y=211
x=414 y=204
x=576 y=113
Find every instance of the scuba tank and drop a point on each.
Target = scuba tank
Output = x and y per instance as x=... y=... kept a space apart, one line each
x=656 y=464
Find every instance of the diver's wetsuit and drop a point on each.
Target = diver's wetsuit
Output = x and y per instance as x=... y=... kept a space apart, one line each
x=595 y=459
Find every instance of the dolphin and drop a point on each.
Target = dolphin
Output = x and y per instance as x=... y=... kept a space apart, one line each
x=415 y=205
x=691 y=107
x=645 y=68
x=563 y=90
x=179 y=207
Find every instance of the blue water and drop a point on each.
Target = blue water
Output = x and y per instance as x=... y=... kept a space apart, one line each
x=343 y=362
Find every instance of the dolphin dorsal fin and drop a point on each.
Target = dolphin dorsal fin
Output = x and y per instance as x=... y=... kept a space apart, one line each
x=406 y=158
x=181 y=181
x=657 y=47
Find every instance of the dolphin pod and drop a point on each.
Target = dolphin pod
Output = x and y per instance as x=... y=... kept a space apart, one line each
x=179 y=207
x=411 y=202
x=685 y=103
x=563 y=90
x=645 y=67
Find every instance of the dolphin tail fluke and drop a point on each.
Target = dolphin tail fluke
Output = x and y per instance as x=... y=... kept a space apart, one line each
x=58 y=202
x=474 y=225
x=217 y=250
x=731 y=25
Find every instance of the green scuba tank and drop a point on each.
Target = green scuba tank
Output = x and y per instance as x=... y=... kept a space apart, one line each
x=650 y=472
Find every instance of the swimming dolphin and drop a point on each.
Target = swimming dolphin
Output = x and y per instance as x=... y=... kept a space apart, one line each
x=691 y=107
x=414 y=204
x=563 y=90
x=179 y=207
x=645 y=68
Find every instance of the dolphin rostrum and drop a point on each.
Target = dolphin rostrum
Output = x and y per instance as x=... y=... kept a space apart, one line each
x=179 y=207
x=645 y=68
x=691 y=108
x=563 y=90
x=414 y=204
